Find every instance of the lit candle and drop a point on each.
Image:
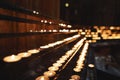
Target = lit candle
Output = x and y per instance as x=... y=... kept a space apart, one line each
x=60 y=61
x=46 y=46
x=51 y=45
x=75 y=77
x=52 y=68
x=12 y=58
x=24 y=54
x=91 y=65
x=33 y=51
x=49 y=73
x=77 y=69
x=42 y=78
x=57 y=64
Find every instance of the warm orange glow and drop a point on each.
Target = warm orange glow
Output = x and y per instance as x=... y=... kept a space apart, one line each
x=12 y=58
x=42 y=78
x=81 y=58
x=57 y=64
x=49 y=73
x=52 y=68
x=91 y=65
x=24 y=54
x=75 y=77
x=33 y=51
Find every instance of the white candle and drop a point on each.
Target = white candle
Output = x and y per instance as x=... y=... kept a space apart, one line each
x=24 y=54
x=57 y=64
x=49 y=73
x=52 y=68
x=77 y=69
x=46 y=46
x=42 y=78
x=60 y=61
x=91 y=65
x=75 y=77
x=12 y=58
x=33 y=51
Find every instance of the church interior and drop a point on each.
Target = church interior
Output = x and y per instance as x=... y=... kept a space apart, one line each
x=59 y=40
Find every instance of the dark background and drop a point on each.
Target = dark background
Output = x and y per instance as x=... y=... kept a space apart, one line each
x=91 y=12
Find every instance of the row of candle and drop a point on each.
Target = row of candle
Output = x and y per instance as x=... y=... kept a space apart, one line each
x=80 y=61
x=50 y=22
x=54 y=30
x=55 y=66
x=60 y=42
x=19 y=56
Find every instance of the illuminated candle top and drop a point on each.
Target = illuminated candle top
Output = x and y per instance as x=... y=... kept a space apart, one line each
x=77 y=69
x=57 y=64
x=42 y=78
x=33 y=51
x=52 y=68
x=75 y=77
x=49 y=73
x=91 y=65
x=12 y=58
x=24 y=54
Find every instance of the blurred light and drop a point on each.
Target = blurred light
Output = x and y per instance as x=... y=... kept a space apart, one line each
x=31 y=31
x=69 y=26
x=42 y=78
x=83 y=33
x=50 y=22
x=33 y=51
x=112 y=28
x=49 y=73
x=66 y=4
x=34 y=12
x=37 y=12
x=45 y=21
x=75 y=77
x=91 y=65
x=42 y=21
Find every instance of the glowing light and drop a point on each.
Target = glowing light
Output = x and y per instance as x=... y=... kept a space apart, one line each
x=52 y=68
x=37 y=12
x=49 y=73
x=42 y=21
x=45 y=21
x=12 y=58
x=24 y=54
x=81 y=59
x=66 y=4
x=75 y=77
x=91 y=65
x=34 y=12
x=57 y=64
x=33 y=51
x=42 y=78
x=50 y=22
x=69 y=26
